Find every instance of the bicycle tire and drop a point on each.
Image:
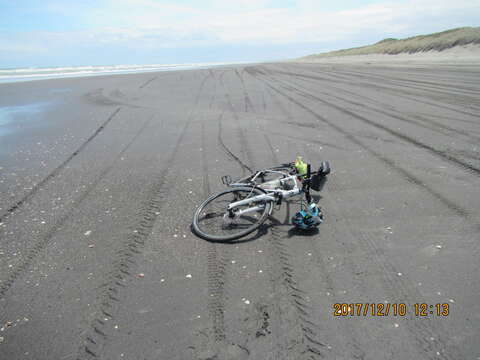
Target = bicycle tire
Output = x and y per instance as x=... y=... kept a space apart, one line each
x=197 y=228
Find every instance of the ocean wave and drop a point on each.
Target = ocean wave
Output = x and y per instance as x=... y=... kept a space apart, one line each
x=31 y=73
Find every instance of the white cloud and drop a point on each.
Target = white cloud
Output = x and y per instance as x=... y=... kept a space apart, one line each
x=253 y=21
x=150 y=24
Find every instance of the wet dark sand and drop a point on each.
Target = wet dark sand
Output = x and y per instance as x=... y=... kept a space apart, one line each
x=100 y=187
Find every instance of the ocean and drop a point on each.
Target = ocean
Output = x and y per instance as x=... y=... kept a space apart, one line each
x=39 y=73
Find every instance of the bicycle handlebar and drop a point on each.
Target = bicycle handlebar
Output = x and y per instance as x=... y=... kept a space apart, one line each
x=290 y=166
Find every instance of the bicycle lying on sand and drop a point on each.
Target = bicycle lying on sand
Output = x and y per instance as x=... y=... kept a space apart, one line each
x=240 y=210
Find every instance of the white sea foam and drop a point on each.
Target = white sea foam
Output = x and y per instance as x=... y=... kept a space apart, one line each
x=32 y=73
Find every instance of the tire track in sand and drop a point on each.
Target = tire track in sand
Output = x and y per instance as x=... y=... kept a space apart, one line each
x=19 y=269
x=246 y=97
x=417 y=331
x=459 y=210
x=96 y=336
x=416 y=120
x=245 y=149
x=227 y=151
x=439 y=153
x=19 y=203
x=349 y=336
x=303 y=339
x=216 y=265
x=241 y=135
x=217 y=261
x=291 y=307
x=397 y=92
x=146 y=83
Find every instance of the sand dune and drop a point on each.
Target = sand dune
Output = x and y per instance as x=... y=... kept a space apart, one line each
x=448 y=47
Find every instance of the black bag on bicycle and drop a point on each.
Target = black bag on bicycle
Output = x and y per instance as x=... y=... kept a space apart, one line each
x=318 y=180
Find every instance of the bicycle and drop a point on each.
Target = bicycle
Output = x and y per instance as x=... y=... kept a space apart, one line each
x=240 y=210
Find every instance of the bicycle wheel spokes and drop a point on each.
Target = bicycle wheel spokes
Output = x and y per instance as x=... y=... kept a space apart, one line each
x=216 y=221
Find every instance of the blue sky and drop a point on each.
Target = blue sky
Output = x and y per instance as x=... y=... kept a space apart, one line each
x=108 y=32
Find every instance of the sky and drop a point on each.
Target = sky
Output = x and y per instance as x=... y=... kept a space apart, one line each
x=47 y=33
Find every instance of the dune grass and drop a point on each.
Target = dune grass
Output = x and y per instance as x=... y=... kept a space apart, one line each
x=437 y=41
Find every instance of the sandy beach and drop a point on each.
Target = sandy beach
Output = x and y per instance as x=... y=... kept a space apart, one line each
x=100 y=176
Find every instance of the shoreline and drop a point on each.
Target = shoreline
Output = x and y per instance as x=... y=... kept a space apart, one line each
x=66 y=72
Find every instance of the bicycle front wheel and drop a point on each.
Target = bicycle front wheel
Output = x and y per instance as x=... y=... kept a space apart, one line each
x=213 y=221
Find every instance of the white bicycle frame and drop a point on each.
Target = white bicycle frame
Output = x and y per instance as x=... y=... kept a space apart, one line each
x=271 y=194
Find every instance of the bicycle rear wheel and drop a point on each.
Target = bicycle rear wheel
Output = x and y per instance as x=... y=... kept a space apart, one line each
x=212 y=220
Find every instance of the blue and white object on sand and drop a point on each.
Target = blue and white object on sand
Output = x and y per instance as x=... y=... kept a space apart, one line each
x=309 y=218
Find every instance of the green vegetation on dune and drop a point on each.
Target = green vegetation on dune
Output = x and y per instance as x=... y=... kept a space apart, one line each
x=437 y=41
